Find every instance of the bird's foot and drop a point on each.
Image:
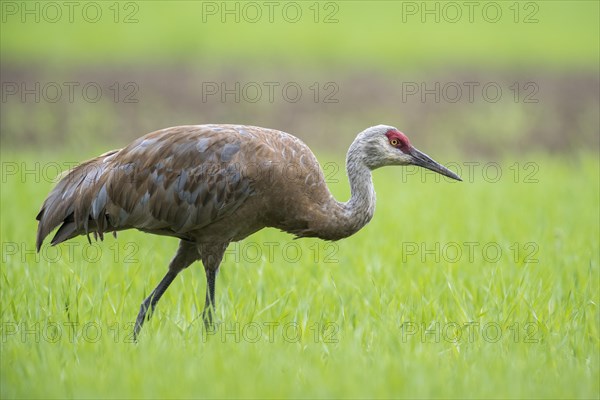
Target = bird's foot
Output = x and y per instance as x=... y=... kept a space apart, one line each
x=207 y=317
x=145 y=313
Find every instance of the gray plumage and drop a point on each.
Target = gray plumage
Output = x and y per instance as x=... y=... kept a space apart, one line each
x=210 y=185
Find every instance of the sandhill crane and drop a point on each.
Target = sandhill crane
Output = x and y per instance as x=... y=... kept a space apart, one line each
x=210 y=185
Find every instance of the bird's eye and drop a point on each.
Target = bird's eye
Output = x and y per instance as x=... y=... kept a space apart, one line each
x=394 y=142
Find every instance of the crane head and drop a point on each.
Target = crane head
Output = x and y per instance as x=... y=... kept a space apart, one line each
x=385 y=145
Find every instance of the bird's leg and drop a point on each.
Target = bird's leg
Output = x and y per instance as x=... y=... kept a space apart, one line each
x=212 y=255
x=150 y=302
x=209 y=304
x=186 y=254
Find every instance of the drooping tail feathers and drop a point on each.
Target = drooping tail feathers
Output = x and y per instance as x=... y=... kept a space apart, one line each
x=76 y=202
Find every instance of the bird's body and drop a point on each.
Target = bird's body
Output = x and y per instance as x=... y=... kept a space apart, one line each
x=196 y=183
x=209 y=185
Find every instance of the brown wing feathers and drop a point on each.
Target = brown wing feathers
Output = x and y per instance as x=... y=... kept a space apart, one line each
x=176 y=179
x=70 y=202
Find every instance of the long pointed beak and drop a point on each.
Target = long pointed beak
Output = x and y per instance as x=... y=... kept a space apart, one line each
x=423 y=160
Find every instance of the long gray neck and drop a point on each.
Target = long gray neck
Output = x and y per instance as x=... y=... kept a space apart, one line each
x=349 y=217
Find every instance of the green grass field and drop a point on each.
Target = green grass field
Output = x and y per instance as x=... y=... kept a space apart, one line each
x=477 y=289
x=391 y=35
x=487 y=288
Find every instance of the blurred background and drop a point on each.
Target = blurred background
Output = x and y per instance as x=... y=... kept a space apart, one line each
x=510 y=88
x=488 y=79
